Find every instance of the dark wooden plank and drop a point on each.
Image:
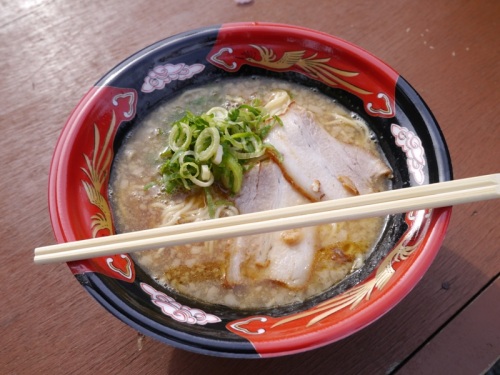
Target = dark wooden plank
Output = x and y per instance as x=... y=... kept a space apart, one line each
x=469 y=344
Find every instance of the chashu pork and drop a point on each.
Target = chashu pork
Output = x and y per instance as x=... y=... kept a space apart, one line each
x=319 y=165
x=285 y=256
x=315 y=166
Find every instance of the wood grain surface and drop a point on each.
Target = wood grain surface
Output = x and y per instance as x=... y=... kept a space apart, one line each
x=53 y=51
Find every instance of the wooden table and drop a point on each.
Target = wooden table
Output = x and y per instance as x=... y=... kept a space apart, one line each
x=53 y=51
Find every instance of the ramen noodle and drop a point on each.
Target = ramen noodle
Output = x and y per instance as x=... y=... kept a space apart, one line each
x=321 y=151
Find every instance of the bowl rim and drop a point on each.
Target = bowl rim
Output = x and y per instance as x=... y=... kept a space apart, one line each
x=271 y=348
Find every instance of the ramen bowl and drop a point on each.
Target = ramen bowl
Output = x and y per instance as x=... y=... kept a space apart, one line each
x=404 y=127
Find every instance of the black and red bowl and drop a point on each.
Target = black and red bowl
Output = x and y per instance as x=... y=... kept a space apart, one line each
x=405 y=129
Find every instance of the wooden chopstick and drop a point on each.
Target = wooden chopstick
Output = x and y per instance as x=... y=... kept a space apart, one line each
x=468 y=183
x=377 y=204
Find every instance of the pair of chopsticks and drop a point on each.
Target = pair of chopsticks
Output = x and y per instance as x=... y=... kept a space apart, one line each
x=442 y=194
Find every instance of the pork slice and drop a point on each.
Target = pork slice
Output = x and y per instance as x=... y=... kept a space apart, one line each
x=285 y=256
x=315 y=166
x=321 y=166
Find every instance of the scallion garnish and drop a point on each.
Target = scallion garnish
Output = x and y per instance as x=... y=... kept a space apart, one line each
x=216 y=146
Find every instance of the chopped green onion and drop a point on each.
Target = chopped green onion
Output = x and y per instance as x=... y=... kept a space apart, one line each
x=216 y=146
x=210 y=203
x=180 y=137
x=201 y=183
x=207 y=144
x=205 y=172
x=189 y=169
x=149 y=185
x=232 y=175
x=218 y=113
x=218 y=155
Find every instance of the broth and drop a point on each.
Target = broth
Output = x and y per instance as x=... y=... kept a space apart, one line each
x=202 y=271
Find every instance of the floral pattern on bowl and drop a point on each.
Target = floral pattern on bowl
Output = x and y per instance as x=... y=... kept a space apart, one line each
x=82 y=161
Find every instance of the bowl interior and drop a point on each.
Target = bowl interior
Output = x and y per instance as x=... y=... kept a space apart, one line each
x=405 y=129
